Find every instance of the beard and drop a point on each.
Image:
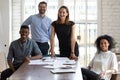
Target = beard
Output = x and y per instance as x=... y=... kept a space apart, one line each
x=42 y=11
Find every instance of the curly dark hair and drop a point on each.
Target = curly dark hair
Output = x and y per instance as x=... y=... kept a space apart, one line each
x=110 y=40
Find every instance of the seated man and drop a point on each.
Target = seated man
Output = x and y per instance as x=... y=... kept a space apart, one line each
x=20 y=51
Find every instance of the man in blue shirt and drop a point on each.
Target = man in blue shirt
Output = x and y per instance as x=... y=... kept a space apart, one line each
x=40 y=26
x=20 y=51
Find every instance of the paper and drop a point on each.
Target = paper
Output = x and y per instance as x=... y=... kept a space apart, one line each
x=63 y=71
x=55 y=62
x=59 y=67
x=39 y=62
x=62 y=58
x=69 y=62
x=48 y=59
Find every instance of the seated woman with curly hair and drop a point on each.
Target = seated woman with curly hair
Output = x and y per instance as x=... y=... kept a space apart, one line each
x=104 y=63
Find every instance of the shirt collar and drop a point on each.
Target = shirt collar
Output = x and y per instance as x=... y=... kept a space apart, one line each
x=105 y=52
x=40 y=16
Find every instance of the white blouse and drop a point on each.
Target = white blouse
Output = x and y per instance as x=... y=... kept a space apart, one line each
x=104 y=61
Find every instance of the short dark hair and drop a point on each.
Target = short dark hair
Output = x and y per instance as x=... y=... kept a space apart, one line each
x=110 y=40
x=24 y=27
x=43 y=2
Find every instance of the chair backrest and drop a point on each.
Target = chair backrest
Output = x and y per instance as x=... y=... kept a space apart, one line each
x=114 y=77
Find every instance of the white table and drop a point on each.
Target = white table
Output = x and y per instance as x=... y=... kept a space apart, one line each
x=37 y=71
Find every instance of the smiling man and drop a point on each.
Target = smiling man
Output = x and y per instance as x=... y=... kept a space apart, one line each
x=40 y=26
x=20 y=51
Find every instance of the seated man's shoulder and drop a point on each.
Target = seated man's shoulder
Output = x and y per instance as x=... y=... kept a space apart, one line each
x=15 y=41
x=31 y=40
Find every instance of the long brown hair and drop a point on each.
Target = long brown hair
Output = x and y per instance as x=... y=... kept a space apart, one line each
x=67 y=17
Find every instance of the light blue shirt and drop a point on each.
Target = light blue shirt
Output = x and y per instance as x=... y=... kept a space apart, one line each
x=40 y=27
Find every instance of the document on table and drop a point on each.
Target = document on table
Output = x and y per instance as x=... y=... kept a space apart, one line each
x=62 y=64
x=69 y=62
x=59 y=67
x=40 y=62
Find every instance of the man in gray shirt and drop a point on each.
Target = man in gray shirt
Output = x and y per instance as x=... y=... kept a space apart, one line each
x=20 y=51
x=40 y=26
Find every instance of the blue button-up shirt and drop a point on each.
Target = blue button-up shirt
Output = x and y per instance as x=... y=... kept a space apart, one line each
x=40 y=27
x=18 y=51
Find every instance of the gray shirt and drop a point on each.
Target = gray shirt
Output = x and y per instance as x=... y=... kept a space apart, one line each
x=18 y=51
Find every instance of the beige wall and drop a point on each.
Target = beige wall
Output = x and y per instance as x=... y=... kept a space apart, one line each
x=110 y=18
x=4 y=31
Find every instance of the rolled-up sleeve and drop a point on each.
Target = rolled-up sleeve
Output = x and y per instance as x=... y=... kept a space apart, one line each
x=10 y=53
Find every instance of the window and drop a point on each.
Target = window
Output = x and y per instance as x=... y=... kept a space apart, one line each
x=82 y=12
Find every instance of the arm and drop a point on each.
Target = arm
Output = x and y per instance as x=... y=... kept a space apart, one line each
x=10 y=64
x=34 y=49
x=49 y=30
x=27 y=59
x=37 y=51
x=27 y=21
x=114 y=65
x=52 y=42
x=73 y=43
x=10 y=57
x=36 y=57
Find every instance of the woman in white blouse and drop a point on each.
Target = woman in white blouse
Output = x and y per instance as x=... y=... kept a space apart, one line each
x=104 y=63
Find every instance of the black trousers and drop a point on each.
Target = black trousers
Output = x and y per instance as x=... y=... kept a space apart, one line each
x=7 y=73
x=90 y=75
x=67 y=51
x=44 y=47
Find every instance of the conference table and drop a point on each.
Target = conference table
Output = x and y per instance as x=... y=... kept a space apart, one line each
x=59 y=68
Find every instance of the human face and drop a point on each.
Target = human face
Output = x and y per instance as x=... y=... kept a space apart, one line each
x=42 y=8
x=24 y=34
x=104 y=44
x=62 y=13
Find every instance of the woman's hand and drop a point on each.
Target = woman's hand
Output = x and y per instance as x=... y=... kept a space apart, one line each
x=52 y=53
x=73 y=57
x=102 y=74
